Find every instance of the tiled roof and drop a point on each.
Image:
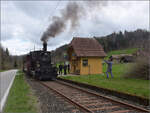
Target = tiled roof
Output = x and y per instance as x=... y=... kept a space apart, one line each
x=87 y=47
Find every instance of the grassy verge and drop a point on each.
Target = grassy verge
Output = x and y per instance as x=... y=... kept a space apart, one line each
x=2 y=70
x=137 y=87
x=20 y=98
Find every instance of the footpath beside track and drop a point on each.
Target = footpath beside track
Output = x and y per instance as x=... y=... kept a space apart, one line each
x=88 y=101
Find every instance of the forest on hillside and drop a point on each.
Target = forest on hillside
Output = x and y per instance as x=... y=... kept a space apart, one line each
x=58 y=55
x=133 y=39
x=115 y=41
x=8 y=61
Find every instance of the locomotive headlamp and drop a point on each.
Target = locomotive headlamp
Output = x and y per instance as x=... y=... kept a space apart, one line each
x=45 y=54
x=37 y=64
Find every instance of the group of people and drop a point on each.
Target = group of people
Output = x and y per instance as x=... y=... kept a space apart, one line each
x=66 y=68
x=63 y=68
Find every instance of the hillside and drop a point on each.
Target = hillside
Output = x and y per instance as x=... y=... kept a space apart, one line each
x=58 y=54
x=120 y=42
x=132 y=39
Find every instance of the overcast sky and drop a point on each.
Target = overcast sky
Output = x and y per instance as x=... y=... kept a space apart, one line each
x=23 y=23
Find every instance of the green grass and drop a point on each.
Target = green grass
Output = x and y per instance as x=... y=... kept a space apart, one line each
x=137 y=87
x=20 y=98
x=2 y=70
x=125 y=51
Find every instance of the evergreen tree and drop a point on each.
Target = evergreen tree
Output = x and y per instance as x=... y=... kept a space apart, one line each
x=15 y=64
x=133 y=39
x=7 y=52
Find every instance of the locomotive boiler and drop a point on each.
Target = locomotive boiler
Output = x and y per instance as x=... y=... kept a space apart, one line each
x=38 y=64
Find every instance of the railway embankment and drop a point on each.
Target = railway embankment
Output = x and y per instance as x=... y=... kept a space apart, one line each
x=129 y=97
x=132 y=89
x=21 y=98
x=90 y=101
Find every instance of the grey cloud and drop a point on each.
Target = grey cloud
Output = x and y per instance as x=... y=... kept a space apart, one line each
x=31 y=20
x=36 y=9
x=6 y=35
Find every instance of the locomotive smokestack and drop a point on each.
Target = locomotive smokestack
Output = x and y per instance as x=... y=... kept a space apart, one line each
x=44 y=46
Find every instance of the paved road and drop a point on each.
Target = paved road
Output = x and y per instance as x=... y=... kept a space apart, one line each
x=5 y=82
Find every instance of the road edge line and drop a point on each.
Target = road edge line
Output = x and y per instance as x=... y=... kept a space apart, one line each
x=4 y=98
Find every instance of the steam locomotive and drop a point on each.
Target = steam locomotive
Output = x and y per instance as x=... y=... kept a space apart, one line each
x=37 y=64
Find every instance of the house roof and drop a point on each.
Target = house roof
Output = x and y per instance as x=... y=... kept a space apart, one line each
x=87 y=47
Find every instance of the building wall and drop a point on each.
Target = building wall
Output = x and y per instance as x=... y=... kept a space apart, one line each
x=76 y=64
x=94 y=66
x=71 y=67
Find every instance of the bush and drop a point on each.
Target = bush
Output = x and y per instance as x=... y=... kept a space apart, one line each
x=140 y=69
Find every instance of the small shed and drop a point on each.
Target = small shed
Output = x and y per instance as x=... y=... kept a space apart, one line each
x=123 y=58
x=85 y=56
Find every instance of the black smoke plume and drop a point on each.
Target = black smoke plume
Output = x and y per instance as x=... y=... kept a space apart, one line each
x=71 y=13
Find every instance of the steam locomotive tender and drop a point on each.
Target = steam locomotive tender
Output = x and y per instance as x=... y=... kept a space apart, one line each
x=38 y=64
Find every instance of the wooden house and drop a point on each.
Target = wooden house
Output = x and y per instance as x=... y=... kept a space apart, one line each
x=85 y=56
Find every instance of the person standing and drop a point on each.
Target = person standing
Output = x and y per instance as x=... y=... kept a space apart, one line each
x=65 y=69
x=60 y=69
x=109 y=67
x=68 y=67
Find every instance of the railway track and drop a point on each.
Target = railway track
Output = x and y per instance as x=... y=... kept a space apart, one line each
x=90 y=102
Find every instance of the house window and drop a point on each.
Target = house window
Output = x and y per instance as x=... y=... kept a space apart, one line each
x=85 y=62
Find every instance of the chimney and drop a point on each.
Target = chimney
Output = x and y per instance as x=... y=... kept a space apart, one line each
x=44 y=46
